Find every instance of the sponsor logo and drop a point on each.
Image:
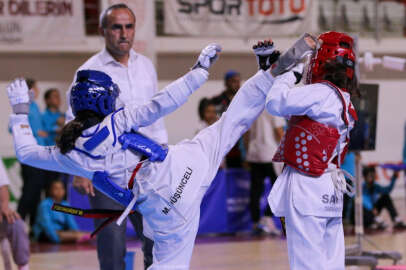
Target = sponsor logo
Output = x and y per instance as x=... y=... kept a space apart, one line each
x=331 y=202
x=165 y=210
x=37 y=8
x=254 y=8
x=329 y=199
x=179 y=190
x=68 y=210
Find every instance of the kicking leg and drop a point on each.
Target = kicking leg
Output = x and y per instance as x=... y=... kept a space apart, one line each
x=174 y=251
x=217 y=139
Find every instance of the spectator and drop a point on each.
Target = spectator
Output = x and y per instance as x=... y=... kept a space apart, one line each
x=207 y=113
x=34 y=179
x=56 y=227
x=52 y=118
x=375 y=198
x=12 y=226
x=208 y=116
x=232 y=81
x=264 y=137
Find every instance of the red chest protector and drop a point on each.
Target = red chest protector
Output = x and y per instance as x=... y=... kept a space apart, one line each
x=308 y=145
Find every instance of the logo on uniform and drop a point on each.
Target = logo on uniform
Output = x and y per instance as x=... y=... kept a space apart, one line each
x=179 y=190
x=329 y=199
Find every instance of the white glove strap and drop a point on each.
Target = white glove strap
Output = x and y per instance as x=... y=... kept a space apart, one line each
x=21 y=108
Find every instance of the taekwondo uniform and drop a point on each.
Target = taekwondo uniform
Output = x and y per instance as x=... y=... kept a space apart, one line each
x=321 y=116
x=168 y=193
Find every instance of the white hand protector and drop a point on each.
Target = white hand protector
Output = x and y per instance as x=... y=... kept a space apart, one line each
x=18 y=96
x=266 y=54
x=208 y=56
x=295 y=54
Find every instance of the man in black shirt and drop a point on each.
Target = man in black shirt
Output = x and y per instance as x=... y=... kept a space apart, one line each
x=232 y=81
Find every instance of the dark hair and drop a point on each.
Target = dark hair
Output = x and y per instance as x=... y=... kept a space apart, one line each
x=367 y=170
x=48 y=93
x=103 y=15
x=336 y=74
x=30 y=82
x=72 y=130
x=49 y=186
x=203 y=104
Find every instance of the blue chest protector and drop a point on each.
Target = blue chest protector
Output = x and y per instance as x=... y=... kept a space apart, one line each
x=133 y=141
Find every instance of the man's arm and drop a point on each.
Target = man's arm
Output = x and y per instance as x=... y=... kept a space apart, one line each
x=5 y=211
x=83 y=185
x=388 y=189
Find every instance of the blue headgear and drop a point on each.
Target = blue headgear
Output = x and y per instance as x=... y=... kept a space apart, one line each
x=94 y=91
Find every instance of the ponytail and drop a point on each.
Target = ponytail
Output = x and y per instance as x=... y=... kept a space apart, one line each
x=72 y=130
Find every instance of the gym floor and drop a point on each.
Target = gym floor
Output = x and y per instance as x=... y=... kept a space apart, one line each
x=214 y=253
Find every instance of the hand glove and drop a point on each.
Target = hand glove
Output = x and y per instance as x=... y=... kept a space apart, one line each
x=208 y=56
x=266 y=54
x=18 y=96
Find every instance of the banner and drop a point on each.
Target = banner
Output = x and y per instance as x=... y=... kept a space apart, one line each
x=40 y=21
x=241 y=18
x=225 y=206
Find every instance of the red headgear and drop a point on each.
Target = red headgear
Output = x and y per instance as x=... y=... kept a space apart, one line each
x=335 y=46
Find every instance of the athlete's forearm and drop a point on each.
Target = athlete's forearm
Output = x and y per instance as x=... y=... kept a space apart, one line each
x=166 y=101
x=29 y=152
x=24 y=141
